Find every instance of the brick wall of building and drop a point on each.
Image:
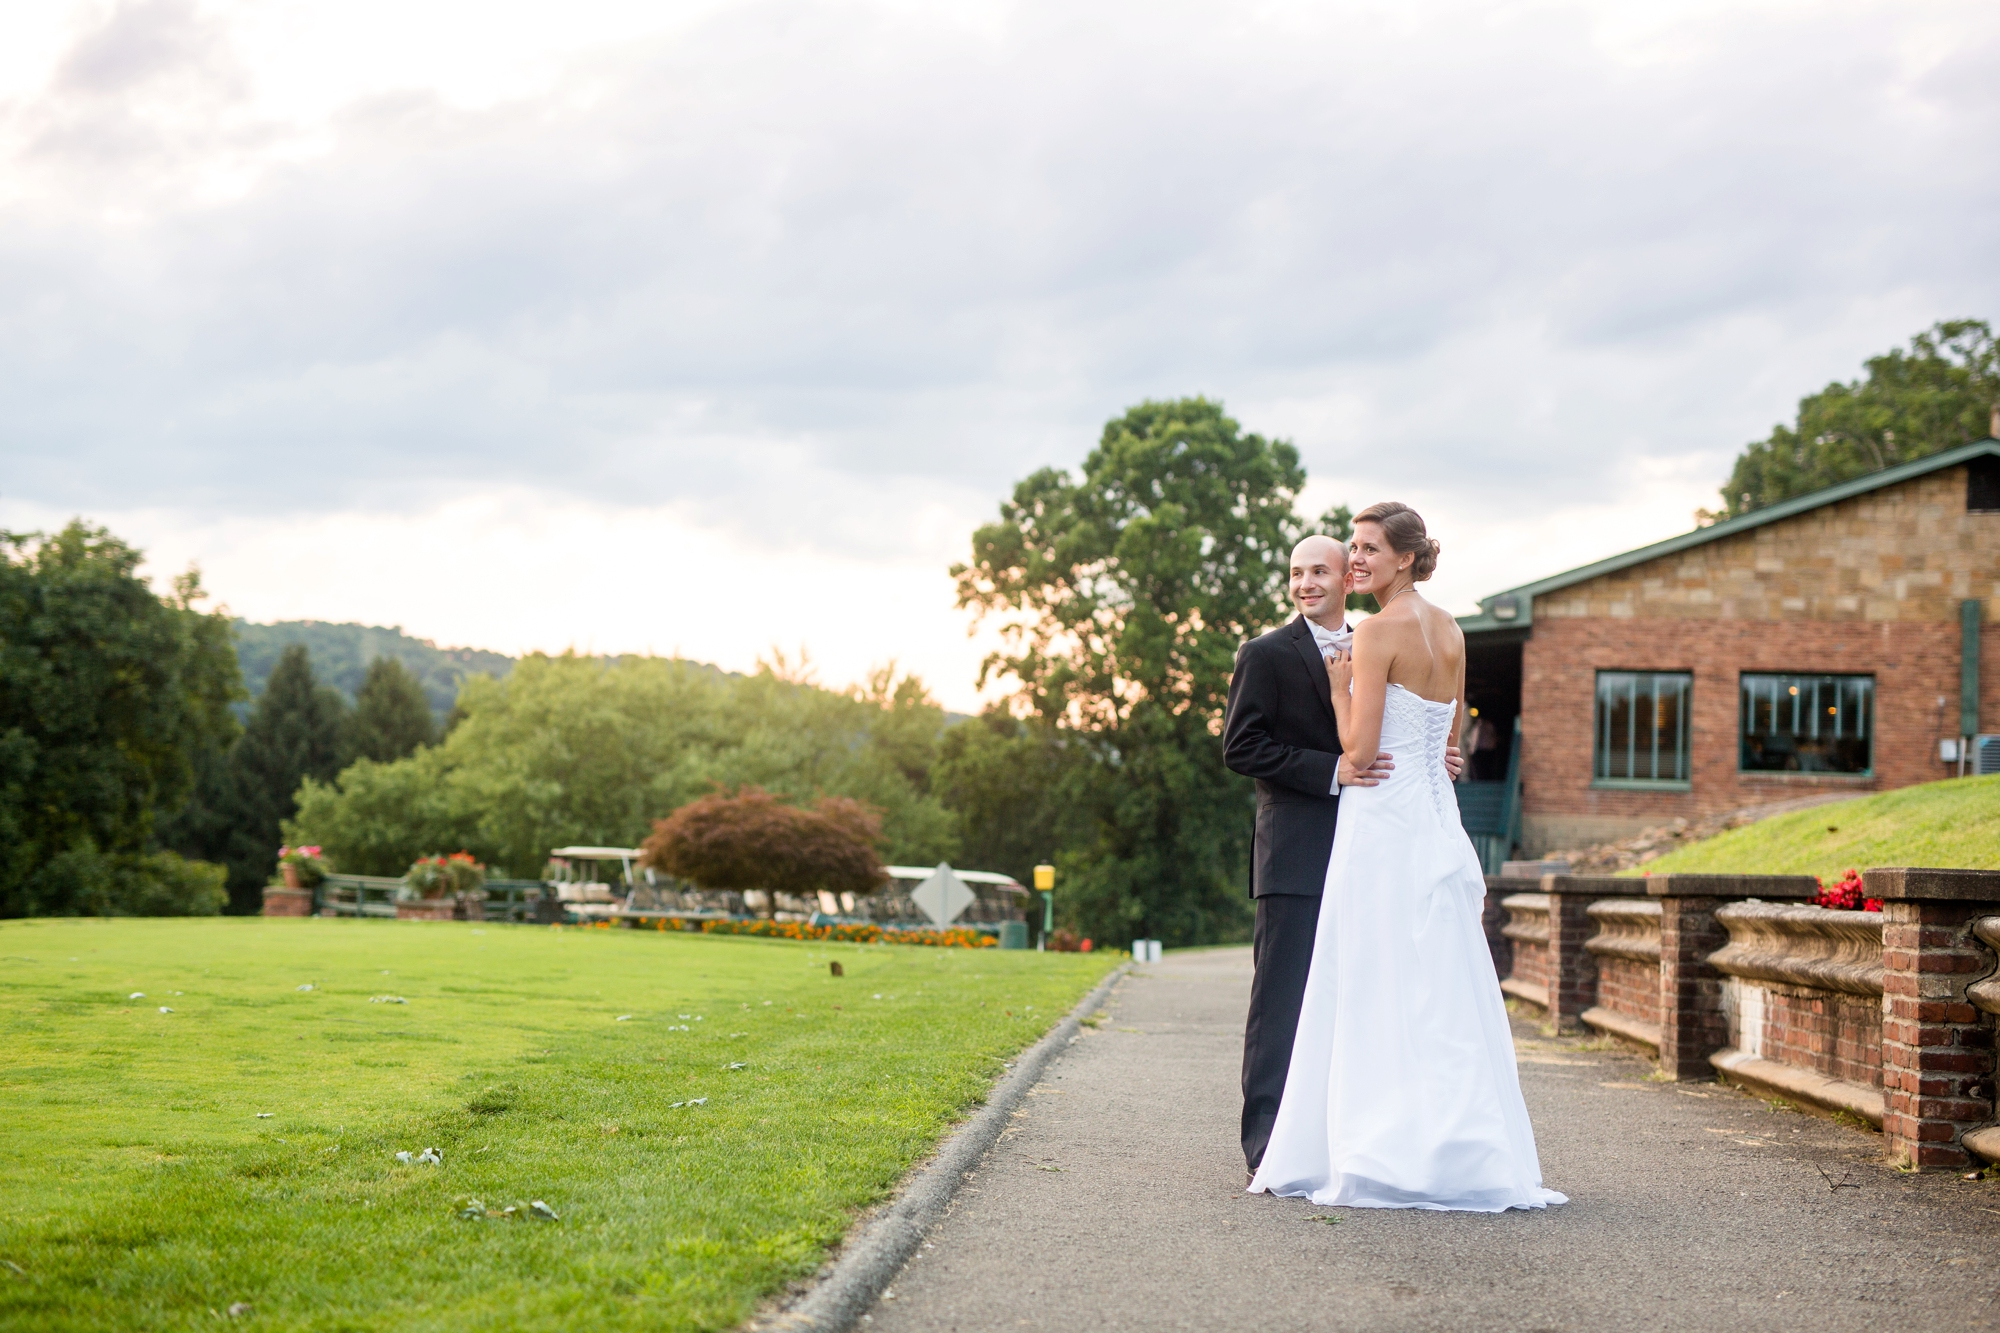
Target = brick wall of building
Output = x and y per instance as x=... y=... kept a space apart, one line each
x=1871 y=584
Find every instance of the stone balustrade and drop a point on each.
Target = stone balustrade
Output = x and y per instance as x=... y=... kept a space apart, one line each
x=1887 y=1016
x=1802 y=998
x=1627 y=948
x=1527 y=929
x=1986 y=994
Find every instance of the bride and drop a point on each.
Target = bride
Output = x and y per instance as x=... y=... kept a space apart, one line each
x=1402 y=1091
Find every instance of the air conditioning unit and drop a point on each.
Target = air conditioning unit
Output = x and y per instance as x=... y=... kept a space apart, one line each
x=1985 y=755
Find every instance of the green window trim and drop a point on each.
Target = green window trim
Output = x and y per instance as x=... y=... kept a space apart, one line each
x=1643 y=729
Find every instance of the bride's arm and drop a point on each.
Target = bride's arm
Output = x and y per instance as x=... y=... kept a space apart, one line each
x=1361 y=716
x=1457 y=724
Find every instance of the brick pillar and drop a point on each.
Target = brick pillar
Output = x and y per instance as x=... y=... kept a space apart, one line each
x=1692 y=1024
x=287 y=902
x=1573 y=968
x=1937 y=1048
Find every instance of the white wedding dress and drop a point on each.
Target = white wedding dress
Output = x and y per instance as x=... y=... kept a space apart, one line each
x=1402 y=1091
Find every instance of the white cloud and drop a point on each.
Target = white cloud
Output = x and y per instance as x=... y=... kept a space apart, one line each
x=829 y=277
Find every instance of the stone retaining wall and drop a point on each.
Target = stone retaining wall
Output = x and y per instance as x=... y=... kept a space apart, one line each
x=1527 y=929
x=1803 y=1002
x=1888 y=1016
x=1627 y=949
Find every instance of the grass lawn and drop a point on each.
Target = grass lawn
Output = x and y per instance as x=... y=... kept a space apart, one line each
x=140 y=1187
x=1953 y=824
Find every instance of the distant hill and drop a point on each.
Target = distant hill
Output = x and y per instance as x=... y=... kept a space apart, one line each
x=341 y=654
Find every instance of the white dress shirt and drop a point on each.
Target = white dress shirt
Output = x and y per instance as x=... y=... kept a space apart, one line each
x=1328 y=640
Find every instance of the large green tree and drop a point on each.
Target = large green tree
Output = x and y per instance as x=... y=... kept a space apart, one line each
x=1939 y=394
x=1120 y=596
x=108 y=693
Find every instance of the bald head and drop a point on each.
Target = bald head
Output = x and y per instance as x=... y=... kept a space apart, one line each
x=1319 y=580
x=1324 y=550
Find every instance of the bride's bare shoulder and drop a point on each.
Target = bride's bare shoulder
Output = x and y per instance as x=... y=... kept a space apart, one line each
x=1440 y=619
x=1385 y=627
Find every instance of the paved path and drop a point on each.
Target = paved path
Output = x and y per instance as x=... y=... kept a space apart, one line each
x=1116 y=1202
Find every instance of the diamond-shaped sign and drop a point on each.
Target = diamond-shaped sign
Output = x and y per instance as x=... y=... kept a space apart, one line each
x=942 y=897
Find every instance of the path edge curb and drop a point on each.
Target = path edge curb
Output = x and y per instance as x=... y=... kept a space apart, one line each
x=870 y=1261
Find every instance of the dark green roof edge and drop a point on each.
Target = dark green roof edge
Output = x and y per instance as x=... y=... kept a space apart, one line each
x=1482 y=620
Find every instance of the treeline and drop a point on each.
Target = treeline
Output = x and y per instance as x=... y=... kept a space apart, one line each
x=1942 y=393
x=574 y=750
x=1122 y=593
x=108 y=693
x=247 y=786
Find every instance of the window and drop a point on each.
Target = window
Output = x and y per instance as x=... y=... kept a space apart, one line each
x=1642 y=727
x=1808 y=724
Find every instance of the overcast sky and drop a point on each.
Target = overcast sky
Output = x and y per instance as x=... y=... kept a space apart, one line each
x=707 y=327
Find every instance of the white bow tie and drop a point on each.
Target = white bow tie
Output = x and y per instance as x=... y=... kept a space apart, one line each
x=1342 y=638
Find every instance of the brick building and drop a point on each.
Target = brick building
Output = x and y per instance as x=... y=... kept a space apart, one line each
x=1828 y=643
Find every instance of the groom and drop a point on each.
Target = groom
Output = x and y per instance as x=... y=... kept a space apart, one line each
x=1280 y=730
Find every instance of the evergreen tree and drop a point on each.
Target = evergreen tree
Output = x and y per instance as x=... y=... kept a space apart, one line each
x=295 y=733
x=391 y=717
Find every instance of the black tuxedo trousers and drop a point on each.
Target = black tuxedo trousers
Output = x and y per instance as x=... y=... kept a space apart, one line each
x=1280 y=731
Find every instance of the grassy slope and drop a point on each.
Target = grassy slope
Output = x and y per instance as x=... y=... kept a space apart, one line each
x=1954 y=823
x=138 y=1188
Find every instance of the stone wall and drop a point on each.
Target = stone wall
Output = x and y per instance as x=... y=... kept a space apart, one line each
x=1627 y=947
x=1888 y=1016
x=1527 y=930
x=1803 y=1001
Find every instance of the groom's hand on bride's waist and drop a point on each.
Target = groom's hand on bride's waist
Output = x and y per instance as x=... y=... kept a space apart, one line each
x=1345 y=776
x=1374 y=775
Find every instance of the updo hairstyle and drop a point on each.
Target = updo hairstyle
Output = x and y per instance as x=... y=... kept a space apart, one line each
x=1404 y=528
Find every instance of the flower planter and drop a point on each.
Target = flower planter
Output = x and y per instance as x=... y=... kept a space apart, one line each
x=425 y=909
x=291 y=873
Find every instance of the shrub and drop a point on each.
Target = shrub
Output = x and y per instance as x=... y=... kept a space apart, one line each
x=751 y=840
x=87 y=882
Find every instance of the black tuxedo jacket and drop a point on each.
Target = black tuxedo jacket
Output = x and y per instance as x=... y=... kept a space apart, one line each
x=1280 y=730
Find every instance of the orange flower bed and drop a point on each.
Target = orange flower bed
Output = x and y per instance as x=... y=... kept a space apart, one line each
x=799 y=930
